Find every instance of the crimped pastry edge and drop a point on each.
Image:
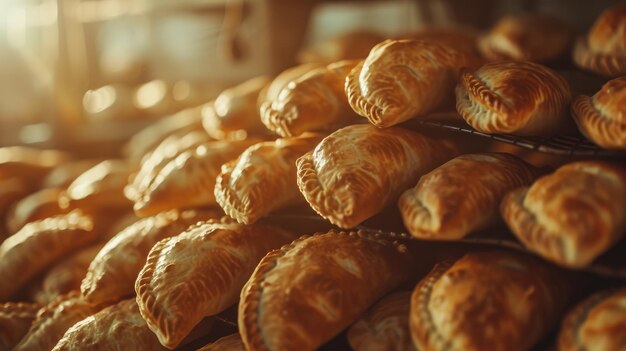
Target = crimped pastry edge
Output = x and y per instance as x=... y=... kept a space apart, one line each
x=228 y=200
x=597 y=127
x=603 y=64
x=359 y=104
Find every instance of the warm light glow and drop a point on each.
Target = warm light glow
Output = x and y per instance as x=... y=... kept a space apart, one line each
x=181 y=90
x=150 y=94
x=95 y=101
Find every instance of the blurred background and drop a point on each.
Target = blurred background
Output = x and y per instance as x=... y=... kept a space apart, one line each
x=86 y=75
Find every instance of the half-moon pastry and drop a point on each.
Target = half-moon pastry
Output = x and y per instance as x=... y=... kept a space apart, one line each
x=228 y=343
x=53 y=321
x=263 y=178
x=36 y=206
x=112 y=273
x=385 y=326
x=29 y=163
x=356 y=171
x=315 y=101
x=64 y=174
x=596 y=324
x=572 y=215
x=402 y=79
x=234 y=114
x=11 y=190
x=302 y=295
x=15 y=320
x=601 y=117
x=270 y=92
x=348 y=46
x=188 y=180
x=486 y=301
x=513 y=97
x=115 y=328
x=463 y=195
x=38 y=244
x=200 y=273
x=525 y=37
x=603 y=49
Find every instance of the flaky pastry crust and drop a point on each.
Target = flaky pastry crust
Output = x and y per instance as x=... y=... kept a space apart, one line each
x=227 y=343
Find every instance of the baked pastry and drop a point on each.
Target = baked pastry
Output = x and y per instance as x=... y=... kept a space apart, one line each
x=461 y=38
x=15 y=320
x=358 y=170
x=64 y=174
x=525 y=37
x=603 y=49
x=228 y=343
x=31 y=250
x=571 y=216
x=115 y=328
x=486 y=301
x=188 y=180
x=200 y=273
x=263 y=178
x=66 y=275
x=463 y=195
x=36 y=206
x=402 y=79
x=234 y=113
x=302 y=295
x=347 y=46
x=270 y=92
x=385 y=326
x=53 y=321
x=158 y=158
x=601 y=117
x=521 y=98
x=101 y=186
x=315 y=101
x=11 y=190
x=29 y=163
x=596 y=324
x=112 y=273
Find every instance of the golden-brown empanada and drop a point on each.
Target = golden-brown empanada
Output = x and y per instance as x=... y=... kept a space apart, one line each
x=402 y=79
x=270 y=92
x=228 y=343
x=596 y=324
x=11 y=190
x=521 y=98
x=601 y=117
x=38 y=244
x=29 y=163
x=188 y=180
x=525 y=37
x=315 y=101
x=385 y=326
x=15 y=320
x=486 y=301
x=263 y=178
x=572 y=215
x=234 y=114
x=462 y=195
x=348 y=46
x=358 y=170
x=64 y=174
x=200 y=273
x=112 y=273
x=302 y=295
x=115 y=328
x=36 y=206
x=53 y=321
x=603 y=49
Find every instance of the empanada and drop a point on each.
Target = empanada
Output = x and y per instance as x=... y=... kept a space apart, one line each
x=486 y=301
x=263 y=178
x=358 y=170
x=596 y=324
x=513 y=97
x=188 y=180
x=64 y=174
x=29 y=163
x=228 y=343
x=15 y=320
x=302 y=295
x=603 y=49
x=38 y=244
x=53 y=321
x=572 y=215
x=116 y=328
x=11 y=190
x=112 y=273
x=36 y=206
x=402 y=79
x=385 y=326
x=270 y=92
x=525 y=37
x=462 y=195
x=601 y=117
x=315 y=101
x=200 y=273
